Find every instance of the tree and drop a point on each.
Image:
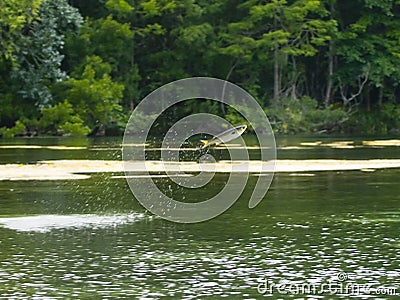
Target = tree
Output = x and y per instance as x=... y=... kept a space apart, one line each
x=280 y=32
x=14 y=16
x=299 y=30
x=38 y=63
x=112 y=41
x=367 y=47
x=93 y=95
x=308 y=58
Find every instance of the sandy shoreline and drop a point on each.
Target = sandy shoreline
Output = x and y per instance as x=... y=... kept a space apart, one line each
x=81 y=169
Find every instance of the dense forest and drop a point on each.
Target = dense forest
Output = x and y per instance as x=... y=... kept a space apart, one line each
x=80 y=66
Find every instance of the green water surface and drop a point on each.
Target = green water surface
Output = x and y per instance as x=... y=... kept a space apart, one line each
x=313 y=228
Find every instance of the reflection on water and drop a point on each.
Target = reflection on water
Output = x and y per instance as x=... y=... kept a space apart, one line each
x=91 y=239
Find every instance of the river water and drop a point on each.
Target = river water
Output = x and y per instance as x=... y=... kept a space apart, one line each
x=320 y=235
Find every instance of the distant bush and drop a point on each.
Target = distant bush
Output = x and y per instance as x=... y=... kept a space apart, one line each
x=381 y=120
x=62 y=119
x=19 y=128
x=295 y=116
x=304 y=115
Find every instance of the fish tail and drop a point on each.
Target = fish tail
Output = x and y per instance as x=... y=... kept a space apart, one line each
x=206 y=143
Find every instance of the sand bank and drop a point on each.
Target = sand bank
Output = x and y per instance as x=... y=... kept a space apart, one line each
x=352 y=144
x=382 y=143
x=41 y=147
x=81 y=169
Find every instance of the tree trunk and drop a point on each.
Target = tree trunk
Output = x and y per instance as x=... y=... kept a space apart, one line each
x=380 y=99
x=293 y=92
x=223 y=90
x=276 y=76
x=368 y=99
x=329 y=85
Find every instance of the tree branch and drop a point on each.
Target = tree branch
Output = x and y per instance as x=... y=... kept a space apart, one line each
x=361 y=84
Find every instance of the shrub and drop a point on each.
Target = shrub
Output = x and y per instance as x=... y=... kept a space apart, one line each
x=19 y=128
x=381 y=120
x=62 y=119
x=303 y=115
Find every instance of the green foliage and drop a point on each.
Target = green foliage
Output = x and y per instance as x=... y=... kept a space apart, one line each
x=112 y=43
x=19 y=128
x=298 y=28
x=109 y=39
x=14 y=16
x=94 y=95
x=74 y=128
x=372 y=41
x=197 y=36
x=120 y=6
x=235 y=118
x=382 y=120
x=71 y=66
x=303 y=115
x=62 y=119
x=38 y=61
x=391 y=115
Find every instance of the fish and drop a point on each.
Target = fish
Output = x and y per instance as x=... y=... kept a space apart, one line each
x=224 y=137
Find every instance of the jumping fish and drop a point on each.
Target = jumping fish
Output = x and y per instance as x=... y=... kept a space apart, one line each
x=224 y=137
